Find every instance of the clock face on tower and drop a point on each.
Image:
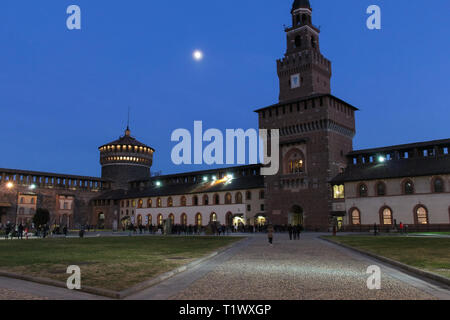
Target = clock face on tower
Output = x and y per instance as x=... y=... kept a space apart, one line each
x=295 y=81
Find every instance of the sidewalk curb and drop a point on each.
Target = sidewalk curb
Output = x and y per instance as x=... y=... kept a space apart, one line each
x=127 y=292
x=418 y=272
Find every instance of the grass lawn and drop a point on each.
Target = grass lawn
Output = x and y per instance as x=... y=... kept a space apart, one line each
x=430 y=254
x=114 y=263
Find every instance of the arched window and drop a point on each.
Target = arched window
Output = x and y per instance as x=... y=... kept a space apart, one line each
x=239 y=198
x=381 y=189
x=139 y=220
x=172 y=218
x=183 y=201
x=158 y=203
x=297 y=19
x=140 y=203
x=228 y=198
x=248 y=195
x=198 y=220
x=408 y=187
x=183 y=219
x=229 y=219
x=420 y=215
x=294 y=162
x=149 y=219
x=355 y=215
x=205 y=200
x=149 y=203
x=438 y=185
x=160 y=219
x=170 y=202
x=362 y=190
x=213 y=217
x=195 y=201
x=338 y=192
x=216 y=199
x=386 y=216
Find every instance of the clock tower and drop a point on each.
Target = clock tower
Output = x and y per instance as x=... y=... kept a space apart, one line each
x=303 y=71
x=316 y=131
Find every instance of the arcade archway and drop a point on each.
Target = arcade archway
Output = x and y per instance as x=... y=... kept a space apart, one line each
x=296 y=216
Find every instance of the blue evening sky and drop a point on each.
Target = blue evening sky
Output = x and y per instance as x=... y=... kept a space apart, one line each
x=64 y=93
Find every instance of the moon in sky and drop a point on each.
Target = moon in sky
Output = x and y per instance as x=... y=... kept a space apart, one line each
x=198 y=55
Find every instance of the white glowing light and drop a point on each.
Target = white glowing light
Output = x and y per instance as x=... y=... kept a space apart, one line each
x=381 y=159
x=198 y=55
x=158 y=183
x=205 y=179
x=9 y=185
x=32 y=187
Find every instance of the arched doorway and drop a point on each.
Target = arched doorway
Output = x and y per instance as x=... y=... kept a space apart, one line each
x=295 y=217
x=101 y=221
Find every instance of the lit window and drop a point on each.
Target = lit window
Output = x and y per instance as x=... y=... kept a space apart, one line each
x=338 y=192
x=183 y=201
x=198 y=219
x=421 y=215
x=228 y=199
x=169 y=202
x=140 y=203
x=213 y=217
x=158 y=203
x=356 y=217
x=387 y=217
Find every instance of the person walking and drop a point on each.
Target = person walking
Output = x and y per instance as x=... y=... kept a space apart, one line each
x=401 y=227
x=20 y=232
x=270 y=234
x=290 y=232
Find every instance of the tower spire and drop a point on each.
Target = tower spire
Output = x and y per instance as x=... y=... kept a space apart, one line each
x=127 y=131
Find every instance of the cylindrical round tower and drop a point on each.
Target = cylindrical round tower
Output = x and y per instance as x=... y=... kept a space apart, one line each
x=125 y=160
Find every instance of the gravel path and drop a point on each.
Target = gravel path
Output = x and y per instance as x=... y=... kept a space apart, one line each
x=295 y=270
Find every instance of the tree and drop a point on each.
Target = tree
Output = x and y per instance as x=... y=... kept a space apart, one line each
x=41 y=217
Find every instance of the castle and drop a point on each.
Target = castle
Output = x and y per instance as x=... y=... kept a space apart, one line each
x=321 y=183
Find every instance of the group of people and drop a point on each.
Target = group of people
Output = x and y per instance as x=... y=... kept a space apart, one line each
x=294 y=232
x=21 y=231
x=15 y=230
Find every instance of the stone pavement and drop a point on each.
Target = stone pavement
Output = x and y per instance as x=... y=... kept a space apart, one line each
x=290 y=270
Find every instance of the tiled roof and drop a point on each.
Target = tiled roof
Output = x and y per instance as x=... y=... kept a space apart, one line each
x=389 y=169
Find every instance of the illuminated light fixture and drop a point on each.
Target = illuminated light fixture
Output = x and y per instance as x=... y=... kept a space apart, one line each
x=32 y=187
x=205 y=179
x=214 y=178
x=230 y=177
x=9 y=185
x=158 y=183
x=381 y=159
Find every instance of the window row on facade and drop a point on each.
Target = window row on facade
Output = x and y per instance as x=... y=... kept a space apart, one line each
x=407 y=188
x=195 y=200
x=200 y=219
x=419 y=213
x=126 y=148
